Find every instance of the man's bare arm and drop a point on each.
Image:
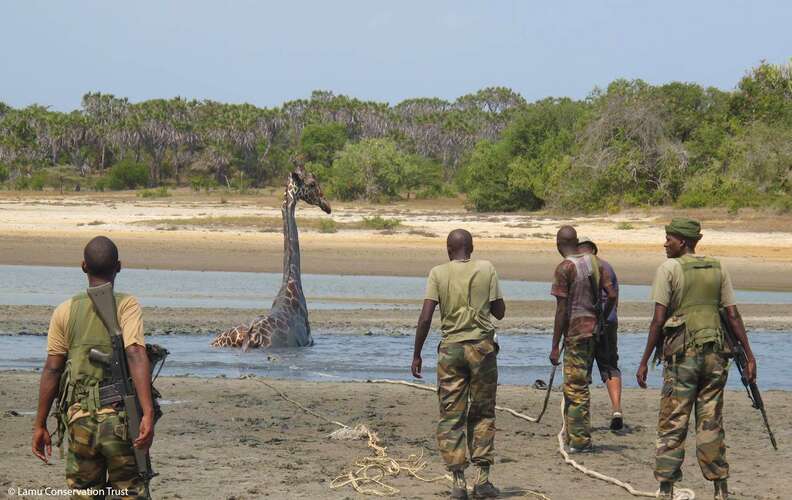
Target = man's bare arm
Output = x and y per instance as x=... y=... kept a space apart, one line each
x=560 y=326
x=140 y=370
x=611 y=300
x=421 y=332
x=48 y=390
x=738 y=327
x=655 y=331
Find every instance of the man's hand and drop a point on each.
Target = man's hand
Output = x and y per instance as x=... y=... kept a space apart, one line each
x=416 y=367
x=146 y=434
x=750 y=370
x=42 y=443
x=640 y=375
x=555 y=355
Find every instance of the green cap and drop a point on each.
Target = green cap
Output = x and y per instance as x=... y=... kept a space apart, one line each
x=586 y=240
x=684 y=227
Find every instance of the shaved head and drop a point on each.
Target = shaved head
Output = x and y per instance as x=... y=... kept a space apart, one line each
x=567 y=240
x=101 y=257
x=459 y=242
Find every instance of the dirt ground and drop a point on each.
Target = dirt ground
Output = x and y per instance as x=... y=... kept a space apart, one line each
x=230 y=438
x=50 y=229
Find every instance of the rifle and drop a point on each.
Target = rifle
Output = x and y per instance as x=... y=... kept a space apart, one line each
x=741 y=361
x=105 y=305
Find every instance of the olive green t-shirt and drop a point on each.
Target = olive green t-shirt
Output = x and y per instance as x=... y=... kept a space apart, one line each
x=464 y=289
x=670 y=281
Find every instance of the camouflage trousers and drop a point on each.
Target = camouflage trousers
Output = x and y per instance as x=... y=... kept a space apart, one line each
x=100 y=456
x=695 y=381
x=467 y=381
x=578 y=361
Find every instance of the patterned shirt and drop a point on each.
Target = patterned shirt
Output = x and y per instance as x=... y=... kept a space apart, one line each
x=566 y=285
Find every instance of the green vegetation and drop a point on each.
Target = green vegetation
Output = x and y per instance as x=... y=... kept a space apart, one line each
x=127 y=174
x=328 y=226
x=376 y=170
x=378 y=222
x=160 y=192
x=628 y=144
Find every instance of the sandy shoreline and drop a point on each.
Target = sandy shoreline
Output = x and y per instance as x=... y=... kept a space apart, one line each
x=237 y=439
x=523 y=317
x=52 y=230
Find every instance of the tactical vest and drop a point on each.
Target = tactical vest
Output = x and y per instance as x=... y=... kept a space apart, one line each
x=81 y=377
x=696 y=322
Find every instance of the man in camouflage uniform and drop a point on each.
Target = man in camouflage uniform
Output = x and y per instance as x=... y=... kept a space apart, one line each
x=100 y=453
x=686 y=330
x=580 y=280
x=467 y=372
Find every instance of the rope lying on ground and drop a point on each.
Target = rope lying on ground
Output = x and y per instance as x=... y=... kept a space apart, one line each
x=412 y=465
x=433 y=389
x=362 y=479
x=679 y=493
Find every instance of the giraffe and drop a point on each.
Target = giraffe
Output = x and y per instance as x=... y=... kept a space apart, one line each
x=287 y=323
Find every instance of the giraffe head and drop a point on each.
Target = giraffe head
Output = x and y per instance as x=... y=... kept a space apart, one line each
x=304 y=186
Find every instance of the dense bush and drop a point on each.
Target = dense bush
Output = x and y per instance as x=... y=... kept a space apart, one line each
x=127 y=174
x=376 y=170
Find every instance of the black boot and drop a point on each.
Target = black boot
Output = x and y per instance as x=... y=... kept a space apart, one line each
x=483 y=487
x=459 y=488
x=666 y=490
x=721 y=489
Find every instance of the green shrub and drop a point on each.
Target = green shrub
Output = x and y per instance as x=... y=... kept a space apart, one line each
x=22 y=182
x=4 y=173
x=624 y=226
x=378 y=222
x=199 y=182
x=127 y=174
x=101 y=184
x=783 y=205
x=38 y=181
x=328 y=226
x=160 y=192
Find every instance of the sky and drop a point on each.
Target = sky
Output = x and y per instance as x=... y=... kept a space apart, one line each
x=266 y=53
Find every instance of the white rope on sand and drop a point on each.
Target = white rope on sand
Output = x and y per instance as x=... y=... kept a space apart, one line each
x=368 y=477
x=429 y=388
x=679 y=493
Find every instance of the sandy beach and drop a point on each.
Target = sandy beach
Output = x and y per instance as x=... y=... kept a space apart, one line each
x=230 y=438
x=229 y=233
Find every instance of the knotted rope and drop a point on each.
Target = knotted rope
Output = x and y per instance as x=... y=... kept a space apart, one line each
x=370 y=473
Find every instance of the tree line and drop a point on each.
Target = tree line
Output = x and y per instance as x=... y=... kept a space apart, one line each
x=628 y=144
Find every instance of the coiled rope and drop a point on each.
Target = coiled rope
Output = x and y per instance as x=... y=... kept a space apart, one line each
x=369 y=473
x=366 y=482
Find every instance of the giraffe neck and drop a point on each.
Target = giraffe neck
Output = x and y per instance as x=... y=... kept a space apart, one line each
x=291 y=243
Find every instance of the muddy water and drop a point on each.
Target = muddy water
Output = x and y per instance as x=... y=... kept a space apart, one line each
x=522 y=358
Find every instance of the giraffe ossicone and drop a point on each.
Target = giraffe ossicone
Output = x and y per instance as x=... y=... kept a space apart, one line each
x=287 y=323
